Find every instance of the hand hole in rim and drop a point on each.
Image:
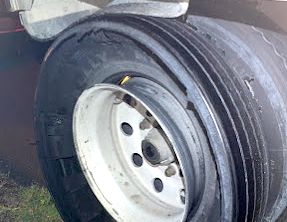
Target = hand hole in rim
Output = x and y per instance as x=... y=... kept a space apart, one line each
x=137 y=160
x=129 y=100
x=127 y=129
x=158 y=185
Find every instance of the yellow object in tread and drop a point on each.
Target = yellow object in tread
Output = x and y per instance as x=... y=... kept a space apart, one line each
x=125 y=80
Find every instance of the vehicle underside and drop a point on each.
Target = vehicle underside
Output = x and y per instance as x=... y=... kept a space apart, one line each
x=155 y=111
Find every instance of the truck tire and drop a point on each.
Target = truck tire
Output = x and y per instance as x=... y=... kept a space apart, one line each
x=148 y=119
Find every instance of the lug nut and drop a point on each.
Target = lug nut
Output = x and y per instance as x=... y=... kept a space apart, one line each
x=145 y=124
x=170 y=171
x=118 y=100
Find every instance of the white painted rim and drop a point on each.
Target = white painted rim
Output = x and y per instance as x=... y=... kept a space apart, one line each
x=106 y=152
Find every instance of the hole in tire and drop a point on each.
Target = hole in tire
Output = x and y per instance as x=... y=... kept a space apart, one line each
x=127 y=129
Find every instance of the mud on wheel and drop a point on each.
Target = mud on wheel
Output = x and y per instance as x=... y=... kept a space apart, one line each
x=147 y=119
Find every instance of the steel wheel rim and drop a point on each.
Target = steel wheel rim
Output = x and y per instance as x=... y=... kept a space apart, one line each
x=134 y=186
